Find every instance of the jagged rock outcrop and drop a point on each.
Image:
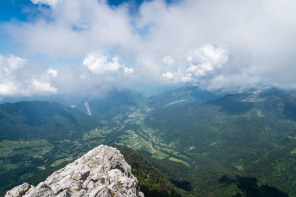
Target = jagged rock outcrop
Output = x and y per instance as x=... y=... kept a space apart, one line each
x=103 y=171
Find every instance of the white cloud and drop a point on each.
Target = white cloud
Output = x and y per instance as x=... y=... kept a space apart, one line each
x=52 y=72
x=43 y=87
x=8 y=88
x=178 y=77
x=257 y=35
x=191 y=40
x=8 y=68
x=76 y=28
x=102 y=64
x=196 y=64
x=9 y=64
x=168 y=75
x=128 y=71
x=19 y=78
x=215 y=56
x=206 y=59
x=47 y=2
x=168 y=60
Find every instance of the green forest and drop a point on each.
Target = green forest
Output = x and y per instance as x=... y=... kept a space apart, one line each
x=191 y=143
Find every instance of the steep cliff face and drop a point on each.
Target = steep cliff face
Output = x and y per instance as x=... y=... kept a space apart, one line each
x=103 y=171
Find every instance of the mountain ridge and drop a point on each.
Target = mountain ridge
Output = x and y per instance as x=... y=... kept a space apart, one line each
x=23 y=119
x=189 y=141
x=102 y=171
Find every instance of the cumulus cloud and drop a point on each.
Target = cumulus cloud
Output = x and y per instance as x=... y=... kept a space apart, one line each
x=93 y=77
x=196 y=64
x=102 y=64
x=43 y=87
x=19 y=78
x=217 y=43
x=206 y=59
x=10 y=64
x=8 y=67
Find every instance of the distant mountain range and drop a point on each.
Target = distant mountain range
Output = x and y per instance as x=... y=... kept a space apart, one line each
x=105 y=106
x=205 y=143
x=38 y=119
x=248 y=134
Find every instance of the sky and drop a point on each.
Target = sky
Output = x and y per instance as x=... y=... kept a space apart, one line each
x=50 y=47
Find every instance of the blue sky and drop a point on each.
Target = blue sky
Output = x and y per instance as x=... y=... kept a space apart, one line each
x=65 y=46
x=24 y=9
x=18 y=9
x=13 y=9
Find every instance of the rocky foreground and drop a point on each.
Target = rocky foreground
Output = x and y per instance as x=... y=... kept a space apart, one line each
x=103 y=171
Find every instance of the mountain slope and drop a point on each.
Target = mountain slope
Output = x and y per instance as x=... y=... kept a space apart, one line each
x=206 y=145
x=236 y=134
x=113 y=103
x=104 y=105
x=36 y=119
x=150 y=179
x=180 y=96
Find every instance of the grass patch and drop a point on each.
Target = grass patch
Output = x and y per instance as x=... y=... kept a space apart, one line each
x=259 y=113
x=238 y=165
x=293 y=151
x=180 y=161
x=10 y=167
x=159 y=155
x=58 y=162
x=95 y=133
x=28 y=147
x=41 y=167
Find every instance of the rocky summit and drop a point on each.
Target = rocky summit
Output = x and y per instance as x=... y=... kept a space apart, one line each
x=103 y=171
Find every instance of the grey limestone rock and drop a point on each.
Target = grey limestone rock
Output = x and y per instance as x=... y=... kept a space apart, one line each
x=102 y=171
